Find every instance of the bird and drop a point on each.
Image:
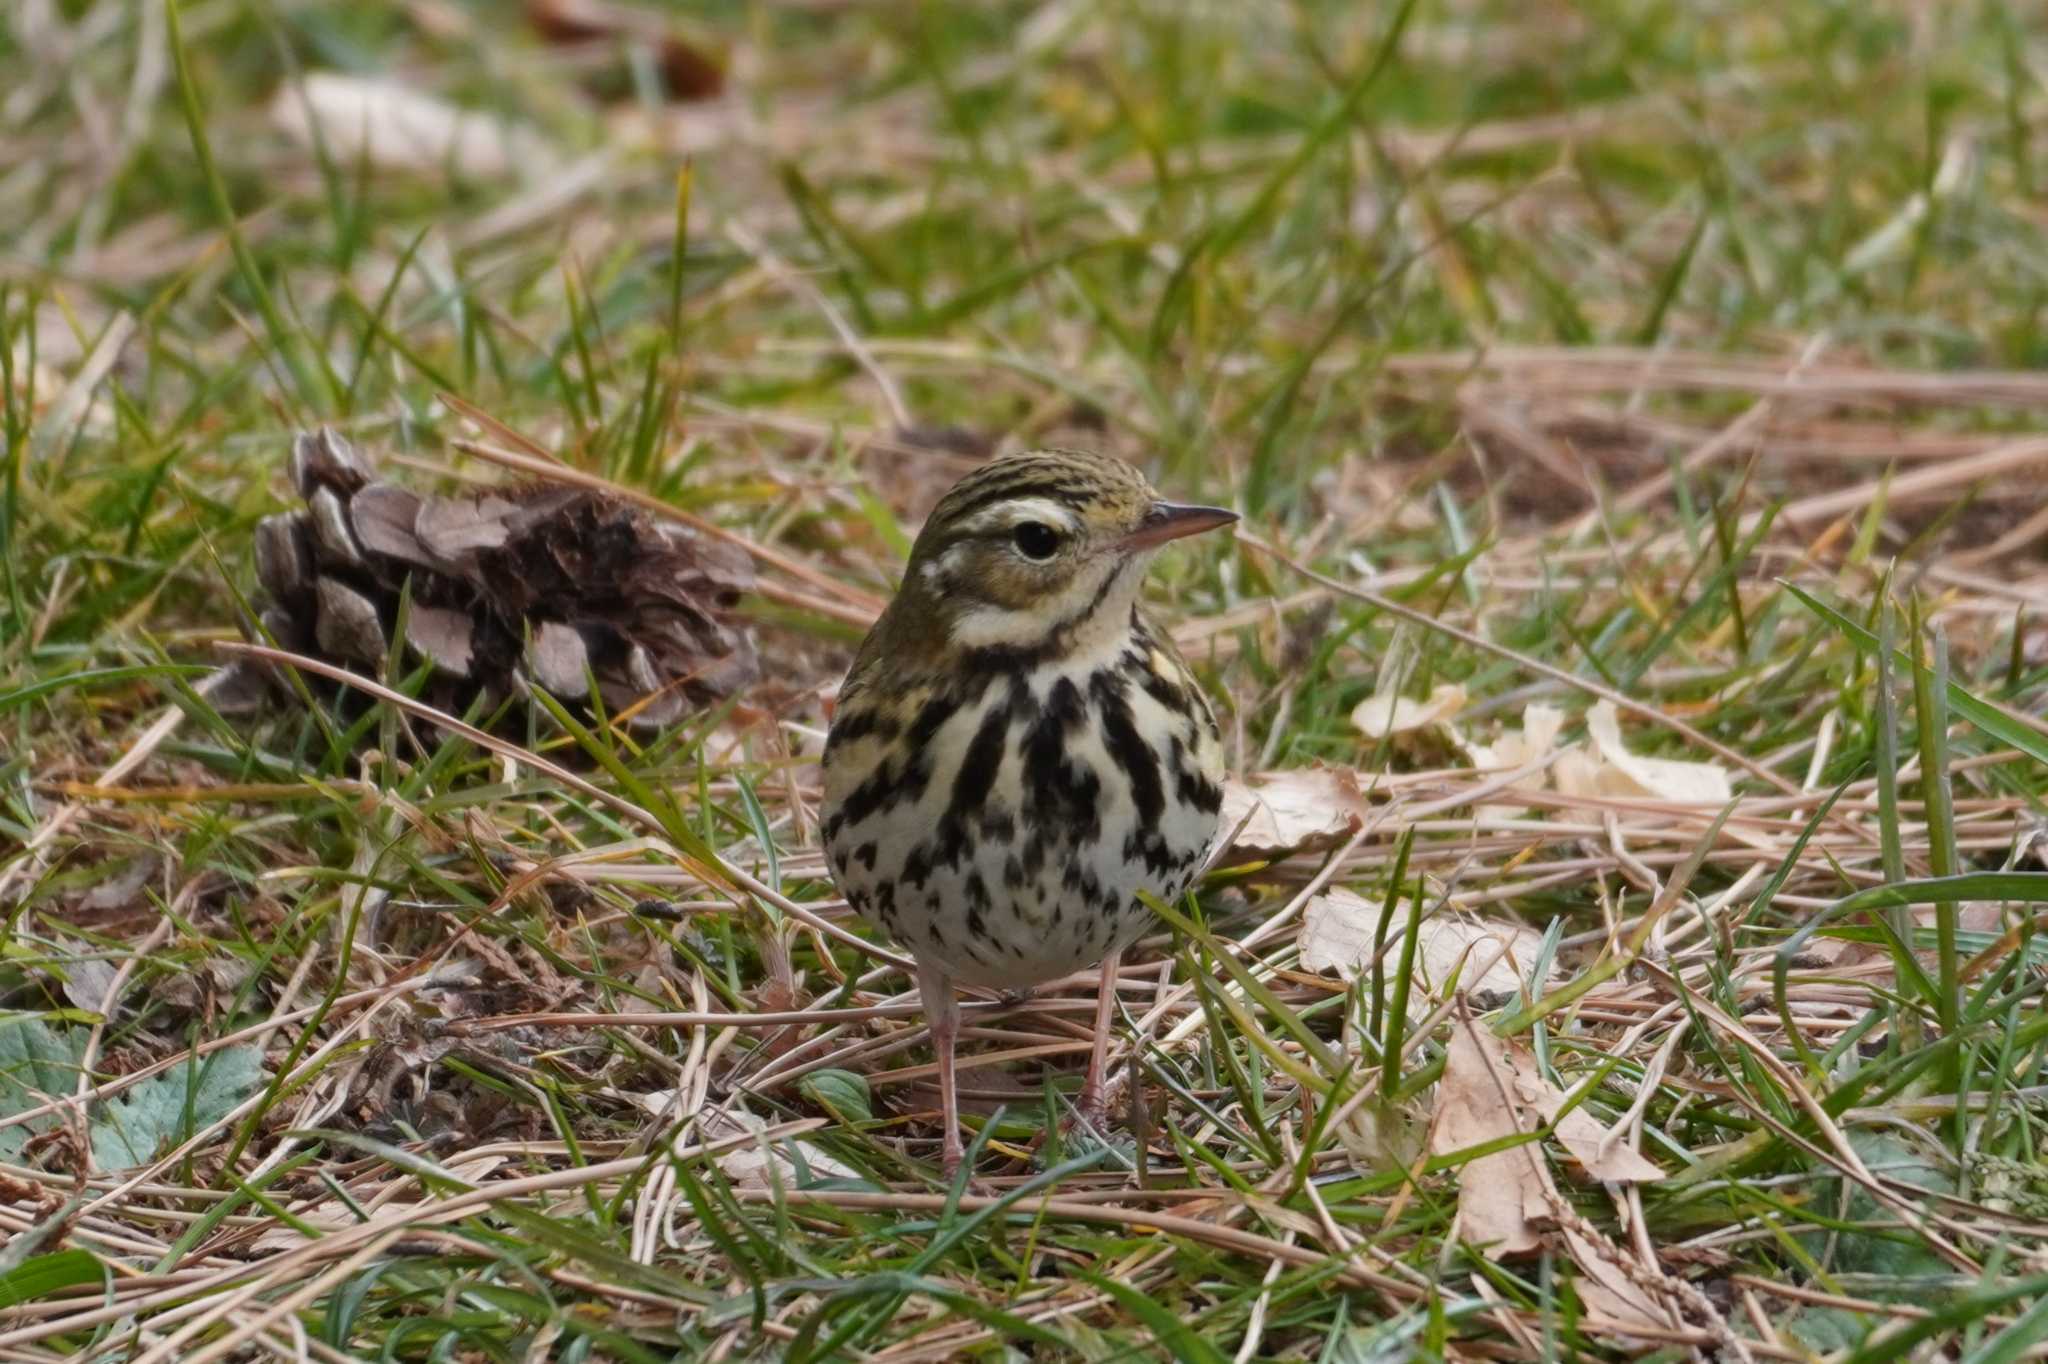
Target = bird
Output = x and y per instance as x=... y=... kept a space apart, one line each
x=1018 y=750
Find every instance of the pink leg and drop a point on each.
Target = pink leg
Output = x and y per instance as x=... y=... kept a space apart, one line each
x=942 y=1011
x=1091 y=1107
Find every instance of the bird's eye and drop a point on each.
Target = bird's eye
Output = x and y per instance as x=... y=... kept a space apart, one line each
x=1035 y=539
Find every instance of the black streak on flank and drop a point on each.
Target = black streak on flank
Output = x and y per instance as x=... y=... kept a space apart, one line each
x=887 y=786
x=876 y=792
x=853 y=723
x=1170 y=697
x=979 y=766
x=1193 y=787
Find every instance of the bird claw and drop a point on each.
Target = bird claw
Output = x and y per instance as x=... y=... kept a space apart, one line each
x=1089 y=1117
x=949 y=1168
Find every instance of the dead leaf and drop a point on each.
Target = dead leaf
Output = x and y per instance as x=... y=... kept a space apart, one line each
x=1514 y=749
x=87 y=984
x=760 y=1164
x=1611 y=770
x=1507 y=1200
x=391 y=127
x=76 y=406
x=1489 y=959
x=1503 y=1198
x=1604 y=1284
x=203 y=982
x=690 y=66
x=1603 y=1151
x=123 y=888
x=1383 y=716
x=1312 y=809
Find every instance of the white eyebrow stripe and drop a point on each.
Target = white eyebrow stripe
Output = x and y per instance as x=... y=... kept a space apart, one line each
x=1017 y=510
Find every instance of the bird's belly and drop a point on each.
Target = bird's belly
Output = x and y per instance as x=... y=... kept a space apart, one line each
x=1008 y=916
x=1009 y=865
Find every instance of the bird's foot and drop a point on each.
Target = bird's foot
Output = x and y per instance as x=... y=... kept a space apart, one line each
x=1088 y=1122
x=950 y=1166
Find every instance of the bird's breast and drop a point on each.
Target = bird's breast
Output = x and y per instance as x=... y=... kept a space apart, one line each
x=1003 y=822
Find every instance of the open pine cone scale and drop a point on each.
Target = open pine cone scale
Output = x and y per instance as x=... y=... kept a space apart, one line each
x=535 y=584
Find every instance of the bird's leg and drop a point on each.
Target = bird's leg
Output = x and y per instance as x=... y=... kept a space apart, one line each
x=942 y=1011
x=1091 y=1107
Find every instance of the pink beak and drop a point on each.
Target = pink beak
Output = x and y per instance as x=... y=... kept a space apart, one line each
x=1171 y=520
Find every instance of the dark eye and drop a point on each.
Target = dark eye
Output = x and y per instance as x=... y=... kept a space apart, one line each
x=1036 y=540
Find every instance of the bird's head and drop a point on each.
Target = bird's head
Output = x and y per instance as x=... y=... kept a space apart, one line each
x=1030 y=551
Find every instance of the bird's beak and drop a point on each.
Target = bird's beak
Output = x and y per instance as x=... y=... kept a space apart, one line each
x=1171 y=520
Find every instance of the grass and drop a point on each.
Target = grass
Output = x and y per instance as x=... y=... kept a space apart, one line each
x=1681 y=353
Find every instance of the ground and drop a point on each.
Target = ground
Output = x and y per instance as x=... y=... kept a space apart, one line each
x=1630 y=410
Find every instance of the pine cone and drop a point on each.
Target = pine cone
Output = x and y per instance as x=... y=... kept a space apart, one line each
x=543 y=584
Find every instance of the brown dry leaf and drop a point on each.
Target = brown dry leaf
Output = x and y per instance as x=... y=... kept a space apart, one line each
x=1604 y=1284
x=1603 y=1151
x=1491 y=959
x=1312 y=809
x=1381 y=717
x=392 y=127
x=691 y=68
x=1503 y=1198
x=202 y=984
x=1507 y=1200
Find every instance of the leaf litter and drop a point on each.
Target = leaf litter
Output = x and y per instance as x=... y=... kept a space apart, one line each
x=1341 y=933
x=389 y=126
x=1508 y=1203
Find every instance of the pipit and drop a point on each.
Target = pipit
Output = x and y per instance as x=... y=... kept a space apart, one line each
x=1018 y=751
